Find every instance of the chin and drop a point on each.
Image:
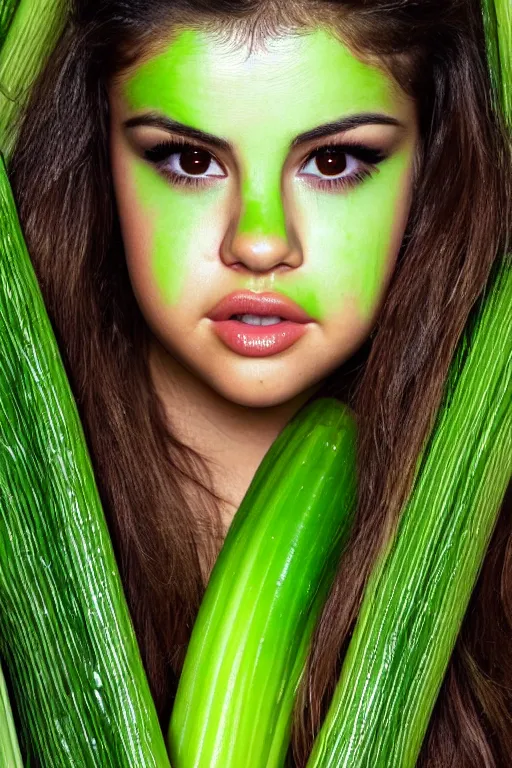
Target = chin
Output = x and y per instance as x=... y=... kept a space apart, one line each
x=257 y=394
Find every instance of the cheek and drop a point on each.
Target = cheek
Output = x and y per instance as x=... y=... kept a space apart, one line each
x=169 y=236
x=352 y=238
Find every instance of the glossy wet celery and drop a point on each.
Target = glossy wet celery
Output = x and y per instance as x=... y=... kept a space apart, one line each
x=10 y=755
x=65 y=631
x=266 y=591
x=30 y=33
x=498 y=26
x=417 y=596
x=7 y=10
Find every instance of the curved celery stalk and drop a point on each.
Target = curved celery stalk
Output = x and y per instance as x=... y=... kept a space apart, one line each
x=498 y=25
x=419 y=591
x=65 y=630
x=10 y=756
x=7 y=10
x=31 y=35
x=268 y=586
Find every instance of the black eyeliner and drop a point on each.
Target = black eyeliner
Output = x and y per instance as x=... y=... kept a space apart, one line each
x=163 y=149
x=362 y=152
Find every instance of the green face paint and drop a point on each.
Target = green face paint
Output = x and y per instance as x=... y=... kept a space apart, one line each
x=260 y=104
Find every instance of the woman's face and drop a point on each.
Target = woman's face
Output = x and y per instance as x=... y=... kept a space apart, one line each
x=285 y=175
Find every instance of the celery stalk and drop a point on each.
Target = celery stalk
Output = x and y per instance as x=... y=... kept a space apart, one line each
x=7 y=10
x=65 y=631
x=10 y=755
x=269 y=584
x=497 y=16
x=418 y=593
x=504 y=29
x=31 y=35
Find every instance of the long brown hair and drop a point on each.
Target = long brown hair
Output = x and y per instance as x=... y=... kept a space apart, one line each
x=458 y=226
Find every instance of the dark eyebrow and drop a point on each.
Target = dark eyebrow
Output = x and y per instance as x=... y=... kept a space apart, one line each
x=167 y=124
x=344 y=124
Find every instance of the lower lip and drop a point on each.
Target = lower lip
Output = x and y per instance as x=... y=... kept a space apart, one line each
x=258 y=340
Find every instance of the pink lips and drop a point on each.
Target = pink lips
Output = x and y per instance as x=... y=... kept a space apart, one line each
x=258 y=340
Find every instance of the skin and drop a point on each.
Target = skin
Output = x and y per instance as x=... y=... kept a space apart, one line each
x=261 y=222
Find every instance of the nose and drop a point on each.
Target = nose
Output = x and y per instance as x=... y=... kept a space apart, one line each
x=261 y=252
x=258 y=237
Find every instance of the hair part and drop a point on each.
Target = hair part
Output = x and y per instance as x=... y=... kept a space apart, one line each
x=156 y=492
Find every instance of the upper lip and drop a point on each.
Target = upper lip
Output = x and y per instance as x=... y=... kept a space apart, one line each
x=265 y=304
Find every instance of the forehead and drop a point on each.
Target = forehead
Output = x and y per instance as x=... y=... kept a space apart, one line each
x=294 y=83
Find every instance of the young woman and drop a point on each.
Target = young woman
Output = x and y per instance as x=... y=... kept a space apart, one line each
x=184 y=169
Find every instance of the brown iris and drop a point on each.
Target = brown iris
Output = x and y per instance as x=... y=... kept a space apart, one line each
x=330 y=161
x=195 y=160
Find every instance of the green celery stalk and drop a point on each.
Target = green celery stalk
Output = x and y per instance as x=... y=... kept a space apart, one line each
x=416 y=598
x=497 y=16
x=29 y=39
x=252 y=634
x=65 y=631
x=7 y=10
x=10 y=755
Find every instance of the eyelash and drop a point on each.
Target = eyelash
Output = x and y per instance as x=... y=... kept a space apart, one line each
x=369 y=156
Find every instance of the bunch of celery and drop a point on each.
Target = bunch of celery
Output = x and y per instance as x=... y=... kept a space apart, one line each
x=65 y=631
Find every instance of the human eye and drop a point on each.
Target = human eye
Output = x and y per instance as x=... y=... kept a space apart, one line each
x=184 y=163
x=341 y=166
